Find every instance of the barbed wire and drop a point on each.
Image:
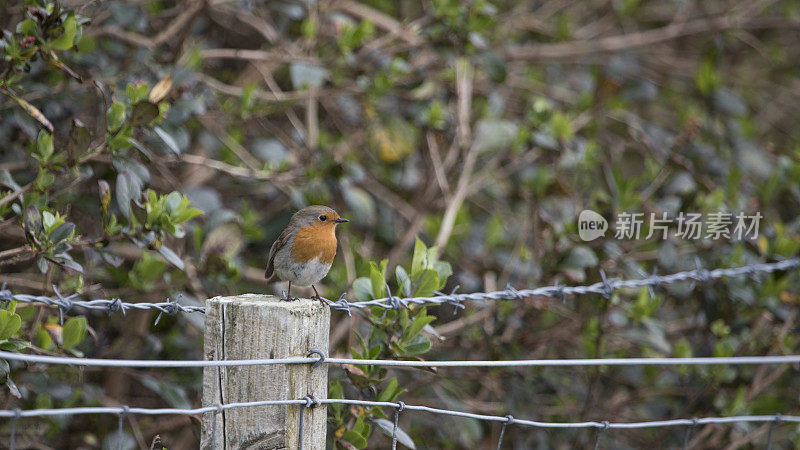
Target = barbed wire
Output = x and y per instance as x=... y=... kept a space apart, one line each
x=606 y=288
x=580 y=362
x=66 y=303
x=307 y=402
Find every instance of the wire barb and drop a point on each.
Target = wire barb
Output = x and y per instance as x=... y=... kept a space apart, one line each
x=342 y=304
x=64 y=305
x=171 y=308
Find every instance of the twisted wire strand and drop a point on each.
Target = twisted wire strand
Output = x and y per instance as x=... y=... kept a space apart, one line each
x=606 y=288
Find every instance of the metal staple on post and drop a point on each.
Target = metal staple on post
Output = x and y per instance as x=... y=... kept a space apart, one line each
x=600 y=431
x=503 y=430
x=321 y=359
x=400 y=406
x=688 y=433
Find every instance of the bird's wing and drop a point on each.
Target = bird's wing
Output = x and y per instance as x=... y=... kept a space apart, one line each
x=282 y=240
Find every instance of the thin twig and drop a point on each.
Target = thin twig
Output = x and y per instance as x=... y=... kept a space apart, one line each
x=15 y=194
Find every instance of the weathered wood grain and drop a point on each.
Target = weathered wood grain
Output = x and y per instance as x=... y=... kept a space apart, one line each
x=256 y=327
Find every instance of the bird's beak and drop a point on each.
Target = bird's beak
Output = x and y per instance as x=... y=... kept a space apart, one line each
x=340 y=220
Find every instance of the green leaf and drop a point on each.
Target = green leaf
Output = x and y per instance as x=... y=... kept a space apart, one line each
x=707 y=78
x=73 y=332
x=137 y=92
x=428 y=282
x=362 y=288
x=42 y=264
x=419 y=345
x=33 y=221
x=128 y=188
x=44 y=180
x=361 y=427
x=416 y=326
x=9 y=324
x=50 y=222
x=79 y=139
x=121 y=140
x=419 y=259
x=14 y=346
x=377 y=281
x=62 y=232
x=444 y=269
x=182 y=212
x=386 y=394
x=173 y=393
x=66 y=40
x=172 y=144
x=403 y=281
x=115 y=116
x=173 y=201
x=126 y=164
x=27 y=27
x=171 y=256
x=354 y=438
x=335 y=390
x=44 y=145
x=12 y=388
x=7 y=180
x=143 y=113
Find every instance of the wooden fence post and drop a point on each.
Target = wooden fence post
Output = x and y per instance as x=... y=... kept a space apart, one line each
x=254 y=326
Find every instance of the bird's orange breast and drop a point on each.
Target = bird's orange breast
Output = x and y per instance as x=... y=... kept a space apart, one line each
x=315 y=241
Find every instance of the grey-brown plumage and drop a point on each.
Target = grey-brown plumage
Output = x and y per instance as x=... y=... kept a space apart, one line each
x=304 y=251
x=282 y=240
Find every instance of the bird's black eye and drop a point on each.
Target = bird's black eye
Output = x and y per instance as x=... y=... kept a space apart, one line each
x=323 y=217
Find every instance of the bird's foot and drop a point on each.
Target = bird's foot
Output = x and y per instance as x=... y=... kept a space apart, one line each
x=288 y=298
x=318 y=297
x=321 y=300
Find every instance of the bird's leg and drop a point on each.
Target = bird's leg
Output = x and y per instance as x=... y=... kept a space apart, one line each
x=317 y=296
x=289 y=297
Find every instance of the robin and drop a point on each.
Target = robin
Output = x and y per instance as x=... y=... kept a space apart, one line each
x=304 y=251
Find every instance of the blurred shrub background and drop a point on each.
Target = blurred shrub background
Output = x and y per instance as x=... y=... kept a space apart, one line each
x=154 y=149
